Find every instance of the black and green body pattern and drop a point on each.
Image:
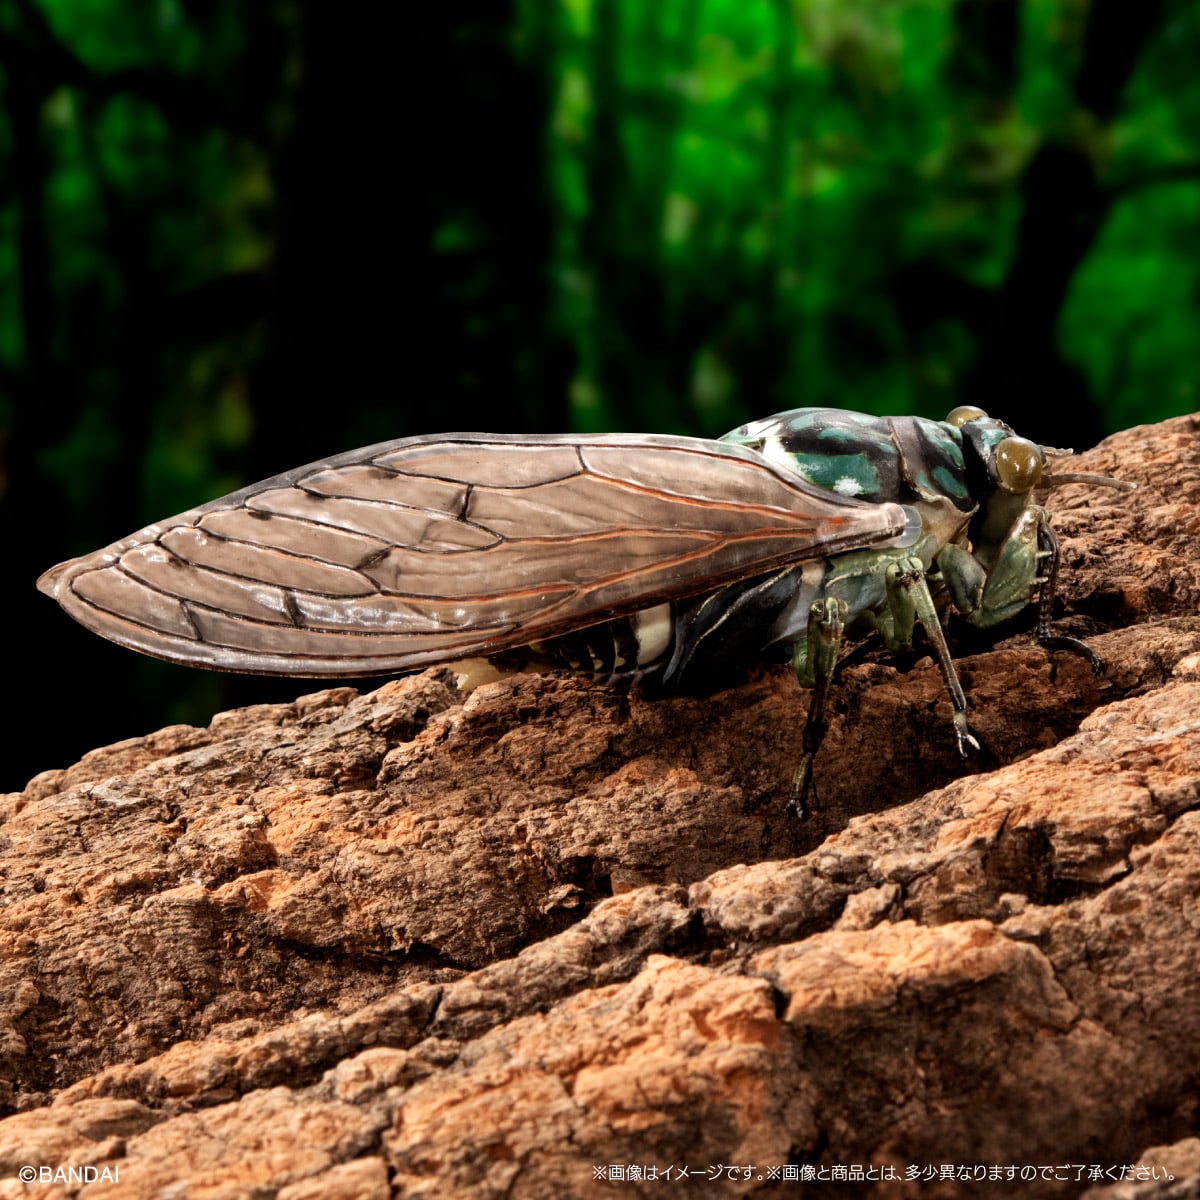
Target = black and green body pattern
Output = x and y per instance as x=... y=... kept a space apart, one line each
x=902 y=459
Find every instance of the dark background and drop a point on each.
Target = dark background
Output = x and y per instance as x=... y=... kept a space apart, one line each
x=238 y=237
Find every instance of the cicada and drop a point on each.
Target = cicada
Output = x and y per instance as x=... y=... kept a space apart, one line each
x=622 y=554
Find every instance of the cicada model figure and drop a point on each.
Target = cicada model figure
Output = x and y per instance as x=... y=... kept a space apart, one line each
x=617 y=554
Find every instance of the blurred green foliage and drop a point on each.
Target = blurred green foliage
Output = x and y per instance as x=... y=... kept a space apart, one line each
x=766 y=204
x=236 y=237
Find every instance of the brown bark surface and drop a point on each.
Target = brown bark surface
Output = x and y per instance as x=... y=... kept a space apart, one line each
x=415 y=943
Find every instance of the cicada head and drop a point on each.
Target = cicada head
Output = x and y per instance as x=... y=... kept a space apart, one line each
x=1003 y=471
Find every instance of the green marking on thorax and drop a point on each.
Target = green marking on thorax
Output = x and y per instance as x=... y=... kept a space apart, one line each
x=950 y=484
x=845 y=474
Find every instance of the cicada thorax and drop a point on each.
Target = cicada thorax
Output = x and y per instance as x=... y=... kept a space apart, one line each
x=939 y=468
x=931 y=467
x=970 y=479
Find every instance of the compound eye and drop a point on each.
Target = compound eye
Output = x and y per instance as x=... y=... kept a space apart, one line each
x=965 y=412
x=1018 y=464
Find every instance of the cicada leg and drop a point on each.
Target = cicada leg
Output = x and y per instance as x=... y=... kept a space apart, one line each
x=1048 y=552
x=908 y=594
x=1026 y=563
x=815 y=660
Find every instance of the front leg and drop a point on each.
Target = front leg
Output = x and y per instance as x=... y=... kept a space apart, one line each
x=1025 y=565
x=1047 y=542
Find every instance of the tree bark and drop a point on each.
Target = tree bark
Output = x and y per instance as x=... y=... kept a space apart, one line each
x=427 y=944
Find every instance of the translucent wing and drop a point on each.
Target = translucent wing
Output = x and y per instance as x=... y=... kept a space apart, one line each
x=429 y=549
